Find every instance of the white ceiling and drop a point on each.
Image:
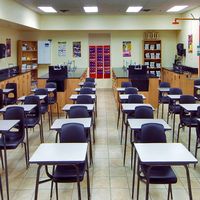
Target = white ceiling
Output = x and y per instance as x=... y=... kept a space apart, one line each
x=109 y=6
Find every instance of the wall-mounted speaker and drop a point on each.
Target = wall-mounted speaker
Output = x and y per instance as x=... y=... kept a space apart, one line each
x=2 y=50
x=180 y=49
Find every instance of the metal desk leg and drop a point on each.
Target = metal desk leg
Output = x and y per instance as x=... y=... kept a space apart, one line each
x=188 y=181
x=125 y=142
x=133 y=181
x=6 y=166
x=122 y=129
x=37 y=181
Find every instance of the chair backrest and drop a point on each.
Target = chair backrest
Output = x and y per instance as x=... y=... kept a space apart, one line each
x=84 y=99
x=78 y=112
x=42 y=91
x=73 y=133
x=86 y=90
x=126 y=84
x=1 y=98
x=143 y=112
x=187 y=99
x=153 y=133
x=135 y=98
x=88 y=79
x=197 y=82
x=175 y=91
x=164 y=84
x=16 y=113
x=14 y=87
x=131 y=90
x=33 y=99
x=89 y=84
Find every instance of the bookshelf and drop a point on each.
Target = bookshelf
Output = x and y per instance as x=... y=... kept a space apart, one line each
x=27 y=57
x=99 y=61
x=152 y=54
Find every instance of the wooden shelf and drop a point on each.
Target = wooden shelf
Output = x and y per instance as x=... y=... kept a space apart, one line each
x=27 y=57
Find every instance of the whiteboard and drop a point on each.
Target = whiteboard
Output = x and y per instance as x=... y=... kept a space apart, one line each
x=44 y=52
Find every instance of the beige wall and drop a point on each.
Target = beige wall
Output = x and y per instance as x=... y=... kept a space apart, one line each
x=190 y=27
x=8 y=33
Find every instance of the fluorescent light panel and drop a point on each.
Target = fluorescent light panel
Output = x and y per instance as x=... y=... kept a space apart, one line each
x=177 y=8
x=47 y=9
x=134 y=9
x=90 y=9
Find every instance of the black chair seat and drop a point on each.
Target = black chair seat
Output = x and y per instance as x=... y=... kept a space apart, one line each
x=176 y=109
x=69 y=173
x=51 y=100
x=8 y=101
x=187 y=121
x=160 y=174
x=164 y=99
x=43 y=109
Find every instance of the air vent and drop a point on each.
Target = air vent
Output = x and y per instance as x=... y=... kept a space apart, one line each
x=146 y=10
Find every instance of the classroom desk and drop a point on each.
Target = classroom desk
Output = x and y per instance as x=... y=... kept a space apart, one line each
x=82 y=83
x=164 y=89
x=90 y=107
x=75 y=96
x=6 y=125
x=41 y=97
x=122 y=89
x=27 y=109
x=78 y=90
x=123 y=97
x=7 y=91
x=192 y=107
x=128 y=107
x=165 y=154
x=48 y=89
x=52 y=154
x=136 y=124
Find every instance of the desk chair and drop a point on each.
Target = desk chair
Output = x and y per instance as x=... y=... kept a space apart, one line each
x=73 y=172
x=88 y=79
x=187 y=119
x=89 y=84
x=86 y=90
x=81 y=112
x=11 y=97
x=197 y=146
x=154 y=133
x=1 y=98
x=162 y=99
x=34 y=117
x=196 y=94
x=52 y=97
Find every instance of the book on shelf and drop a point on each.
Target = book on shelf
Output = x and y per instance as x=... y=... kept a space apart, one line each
x=147 y=55
x=146 y=46
x=152 y=55
x=146 y=63
x=152 y=64
x=152 y=47
x=158 y=46
x=157 y=55
x=158 y=65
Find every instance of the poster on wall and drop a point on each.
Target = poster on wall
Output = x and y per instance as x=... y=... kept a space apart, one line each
x=61 y=49
x=8 y=47
x=76 y=49
x=126 y=48
x=190 y=44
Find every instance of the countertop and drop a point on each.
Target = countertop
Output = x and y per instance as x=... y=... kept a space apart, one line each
x=71 y=74
x=123 y=73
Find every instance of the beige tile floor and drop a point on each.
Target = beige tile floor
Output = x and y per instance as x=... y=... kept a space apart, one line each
x=110 y=180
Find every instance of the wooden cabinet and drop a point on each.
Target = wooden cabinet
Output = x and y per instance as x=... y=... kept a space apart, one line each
x=152 y=55
x=27 y=57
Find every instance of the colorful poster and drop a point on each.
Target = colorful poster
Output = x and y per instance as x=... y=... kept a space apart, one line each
x=61 y=49
x=76 y=49
x=190 y=44
x=8 y=47
x=126 y=48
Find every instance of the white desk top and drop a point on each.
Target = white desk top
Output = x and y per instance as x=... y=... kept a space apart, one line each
x=41 y=97
x=122 y=89
x=6 y=91
x=137 y=123
x=174 y=96
x=164 y=153
x=190 y=107
x=125 y=96
x=82 y=83
x=57 y=124
x=164 y=89
x=48 y=89
x=78 y=89
x=74 y=96
x=6 y=125
x=59 y=153
x=90 y=107
x=132 y=106
x=26 y=107
x=197 y=86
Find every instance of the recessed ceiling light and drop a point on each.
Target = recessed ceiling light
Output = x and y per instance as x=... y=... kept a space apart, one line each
x=177 y=8
x=90 y=9
x=134 y=9
x=47 y=9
